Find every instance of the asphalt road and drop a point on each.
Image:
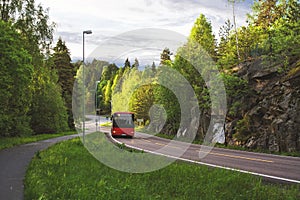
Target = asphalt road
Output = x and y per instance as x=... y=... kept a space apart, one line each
x=270 y=167
x=13 y=165
x=14 y=161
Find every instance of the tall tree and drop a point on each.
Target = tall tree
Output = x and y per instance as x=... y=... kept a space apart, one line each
x=233 y=2
x=136 y=64
x=224 y=33
x=141 y=101
x=66 y=76
x=268 y=13
x=201 y=33
x=225 y=30
x=48 y=112
x=16 y=71
x=127 y=63
x=31 y=21
x=165 y=56
x=153 y=67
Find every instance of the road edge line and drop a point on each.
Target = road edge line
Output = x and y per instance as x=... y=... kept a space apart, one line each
x=207 y=164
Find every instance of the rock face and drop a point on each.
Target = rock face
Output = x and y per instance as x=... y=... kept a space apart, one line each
x=271 y=111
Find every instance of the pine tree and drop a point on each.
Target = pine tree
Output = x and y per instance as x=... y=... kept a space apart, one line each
x=127 y=63
x=66 y=76
x=153 y=67
x=165 y=56
x=202 y=34
x=136 y=64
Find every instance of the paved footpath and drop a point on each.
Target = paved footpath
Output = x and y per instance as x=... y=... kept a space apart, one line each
x=13 y=164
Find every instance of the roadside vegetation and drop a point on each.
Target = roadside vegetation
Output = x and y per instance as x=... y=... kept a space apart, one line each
x=68 y=171
x=36 y=78
x=7 y=142
x=262 y=53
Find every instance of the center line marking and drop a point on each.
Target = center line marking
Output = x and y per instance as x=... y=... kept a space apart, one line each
x=160 y=144
x=239 y=157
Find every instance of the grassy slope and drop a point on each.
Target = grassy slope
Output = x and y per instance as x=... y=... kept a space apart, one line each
x=7 y=142
x=67 y=171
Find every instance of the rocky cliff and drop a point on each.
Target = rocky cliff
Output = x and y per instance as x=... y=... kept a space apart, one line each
x=270 y=114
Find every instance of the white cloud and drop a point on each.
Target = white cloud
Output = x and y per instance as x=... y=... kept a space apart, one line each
x=111 y=17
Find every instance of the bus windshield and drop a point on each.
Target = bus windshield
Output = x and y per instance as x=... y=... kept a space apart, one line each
x=123 y=120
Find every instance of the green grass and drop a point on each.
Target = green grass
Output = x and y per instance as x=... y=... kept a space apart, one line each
x=106 y=124
x=68 y=171
x=7 y=142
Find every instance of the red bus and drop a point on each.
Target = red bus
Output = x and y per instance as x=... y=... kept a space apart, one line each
x=122 y=124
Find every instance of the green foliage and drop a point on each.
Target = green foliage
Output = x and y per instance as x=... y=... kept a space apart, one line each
x=68 y=171
x=236 y=88
x=141 y=101
x=34 y=98
x=202 y=34
x=15 y=83
x=66 y=76
x=165 y=56
x=48 y=112
x=31 y=21
x=243 y=129
x=105 y=87
x=125 y=88
x=167 y=99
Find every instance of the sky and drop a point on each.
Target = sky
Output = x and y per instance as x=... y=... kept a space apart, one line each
x=108 y=19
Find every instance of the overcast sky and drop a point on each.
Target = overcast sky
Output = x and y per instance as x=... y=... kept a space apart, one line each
x=107 y=18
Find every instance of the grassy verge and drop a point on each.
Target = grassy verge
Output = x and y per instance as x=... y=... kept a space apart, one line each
x=67 y=171
x=106 y=124
x=7 y=142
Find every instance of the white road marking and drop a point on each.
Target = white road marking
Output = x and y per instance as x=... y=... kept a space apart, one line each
x=211 y=165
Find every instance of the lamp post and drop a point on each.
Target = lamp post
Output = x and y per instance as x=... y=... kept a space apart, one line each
x=96 y=104
x=83 y=81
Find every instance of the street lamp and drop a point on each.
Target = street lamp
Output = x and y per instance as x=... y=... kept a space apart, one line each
x=83 y=81
x=96 y=104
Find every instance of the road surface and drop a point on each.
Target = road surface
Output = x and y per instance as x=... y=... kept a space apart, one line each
x=14 y=161
x=13 y=165
x=270 y=167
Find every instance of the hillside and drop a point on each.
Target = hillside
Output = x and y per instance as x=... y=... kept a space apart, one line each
x=271 y=109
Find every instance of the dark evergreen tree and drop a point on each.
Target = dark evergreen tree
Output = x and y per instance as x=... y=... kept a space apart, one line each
x=165 y=56
x=66 y=76
x=153 y=67
x=127 y=64
x=136 y=64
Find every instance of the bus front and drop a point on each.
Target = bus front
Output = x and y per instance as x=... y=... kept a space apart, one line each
x=122 y=124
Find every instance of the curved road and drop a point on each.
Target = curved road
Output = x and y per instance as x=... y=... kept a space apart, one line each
x=270 y=167
x=13 y=165
x=14 y=161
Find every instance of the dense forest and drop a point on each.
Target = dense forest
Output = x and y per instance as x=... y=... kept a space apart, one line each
x=251 y=60
x=258 y=63
x=36 y=85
